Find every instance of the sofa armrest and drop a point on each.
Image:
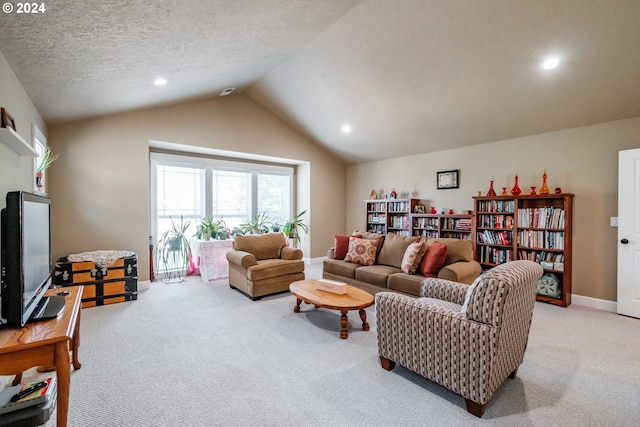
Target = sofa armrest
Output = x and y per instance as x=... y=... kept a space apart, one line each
x=444 y=290
x=290 y=253
x=461 y=271
x=241 y=258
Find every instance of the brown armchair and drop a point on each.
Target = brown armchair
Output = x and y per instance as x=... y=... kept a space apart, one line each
x=468 y=339
x=263 y=264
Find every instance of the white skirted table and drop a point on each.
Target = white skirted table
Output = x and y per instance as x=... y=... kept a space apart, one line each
x=208 y=258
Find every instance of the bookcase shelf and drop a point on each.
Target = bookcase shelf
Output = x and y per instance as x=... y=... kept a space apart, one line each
x=538 y=228
x=456 y=226
x=390 y=215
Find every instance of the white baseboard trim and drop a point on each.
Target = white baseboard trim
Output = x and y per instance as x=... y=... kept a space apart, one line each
x=599 y=304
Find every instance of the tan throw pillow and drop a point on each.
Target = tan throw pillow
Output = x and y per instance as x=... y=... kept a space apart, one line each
x=394 y=248
x=412 y=257
x=361 y=251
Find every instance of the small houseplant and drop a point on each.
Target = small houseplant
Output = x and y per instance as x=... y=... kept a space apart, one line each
x=209 y=228
x=291 y=227
x=258 y=225
x=43 y=163
x=173 y=251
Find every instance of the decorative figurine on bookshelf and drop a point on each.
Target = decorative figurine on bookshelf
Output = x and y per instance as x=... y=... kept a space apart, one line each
x=393 y=194
x=419 y=209
x=373 y=195
x=533 y=190
x=491 y=192
x=442 y=211
x=516 y=189
x=451 y=211
x=433 y=210
x=558 y=190
x=504 y=191
x=544 y=189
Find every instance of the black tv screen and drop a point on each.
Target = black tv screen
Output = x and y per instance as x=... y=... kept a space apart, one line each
x=26 y=256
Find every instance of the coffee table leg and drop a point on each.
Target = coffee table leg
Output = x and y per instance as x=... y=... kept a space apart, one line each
x=296 y=309
x=343 y=323
x=363 y=317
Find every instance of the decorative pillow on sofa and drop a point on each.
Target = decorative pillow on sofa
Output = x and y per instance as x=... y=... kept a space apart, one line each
x=394 y=248
x=434 y=259
x=341 y=245
x=361 y=251
x=412 y=257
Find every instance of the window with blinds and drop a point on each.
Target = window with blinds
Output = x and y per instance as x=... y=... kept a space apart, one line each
x=195 y=188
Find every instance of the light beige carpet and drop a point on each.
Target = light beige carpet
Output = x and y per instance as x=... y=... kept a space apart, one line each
x=196 y=354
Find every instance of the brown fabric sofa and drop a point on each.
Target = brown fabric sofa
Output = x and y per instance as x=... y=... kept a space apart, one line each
x=386 y=274
x=263 y=264
x=468 y=339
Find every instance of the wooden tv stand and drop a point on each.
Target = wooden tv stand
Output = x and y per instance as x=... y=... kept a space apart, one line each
x=47 y=343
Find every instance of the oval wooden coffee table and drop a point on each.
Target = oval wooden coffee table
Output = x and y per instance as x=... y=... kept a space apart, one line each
x=353 y=299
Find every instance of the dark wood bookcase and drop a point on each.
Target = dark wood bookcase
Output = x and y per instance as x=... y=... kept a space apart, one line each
x=537 y=228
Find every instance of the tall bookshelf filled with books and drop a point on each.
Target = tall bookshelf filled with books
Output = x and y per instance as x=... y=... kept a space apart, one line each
x=536 y=228
x=390 y=215
x=456 y=226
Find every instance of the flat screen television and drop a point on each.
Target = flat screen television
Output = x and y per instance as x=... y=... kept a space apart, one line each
x=26 y=260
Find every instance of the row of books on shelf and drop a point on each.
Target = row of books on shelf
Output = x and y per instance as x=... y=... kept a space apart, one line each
x=376 y=218
x=490 y=237
x=495 y=221
x=375 y=228
x=426 y=233
x=456 y=235
x=458 y=224
x=377 y=207
x=400 y=232
x=546 y=217
x=548 y=260
x=541 y=239
x=399 y=222
x=491 y=255
x=399 y=206
x=495 y=205
x=425 y=222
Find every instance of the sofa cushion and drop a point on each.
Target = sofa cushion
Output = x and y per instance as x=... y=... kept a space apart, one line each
x=372 y=236
x=407 y=283
x=412 y=257
x=341 y=245
x=457 y=249
x=394 y=248
x=340 y=268
x=434 y=259
x=268 y=268
x=361 y=251
x=376 y=274
x=262 y=246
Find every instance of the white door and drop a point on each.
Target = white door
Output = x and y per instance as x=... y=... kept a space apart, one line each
x=629 y=232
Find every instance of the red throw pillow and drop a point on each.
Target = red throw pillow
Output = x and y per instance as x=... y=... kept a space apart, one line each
x=341 y=245
x=434 y=259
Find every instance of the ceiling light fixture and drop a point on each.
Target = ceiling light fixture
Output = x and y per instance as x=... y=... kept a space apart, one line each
x=346 y=128
x=550 y=63
x=160 y=82
x=227 y=91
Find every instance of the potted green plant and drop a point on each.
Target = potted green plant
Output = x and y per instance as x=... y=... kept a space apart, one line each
x=258 y=225
x=44 y=162
x=173 y=251
x=209 y=228
x=291 y=227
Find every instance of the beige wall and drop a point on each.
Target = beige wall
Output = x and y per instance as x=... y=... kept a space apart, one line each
x=100 y=184
x=583 y=161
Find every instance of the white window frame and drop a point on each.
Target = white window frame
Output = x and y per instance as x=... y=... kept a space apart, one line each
x=208 y=164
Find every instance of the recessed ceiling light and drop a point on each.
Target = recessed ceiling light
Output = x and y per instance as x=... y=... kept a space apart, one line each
x=227 y=91
x=550 y=63
x=346 y=128
x=160 y=82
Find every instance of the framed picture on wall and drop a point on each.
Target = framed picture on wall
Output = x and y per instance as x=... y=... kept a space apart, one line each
x=7 y=120
x=448 y=179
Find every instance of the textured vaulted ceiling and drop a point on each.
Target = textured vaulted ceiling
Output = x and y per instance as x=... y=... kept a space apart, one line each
x=410 y=76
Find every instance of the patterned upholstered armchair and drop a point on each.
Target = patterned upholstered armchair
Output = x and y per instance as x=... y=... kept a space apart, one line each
x=468 y=339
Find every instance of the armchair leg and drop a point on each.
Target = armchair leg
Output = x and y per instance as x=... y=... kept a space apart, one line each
x=513 y=374
x=474 y=408
x=387 y=364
